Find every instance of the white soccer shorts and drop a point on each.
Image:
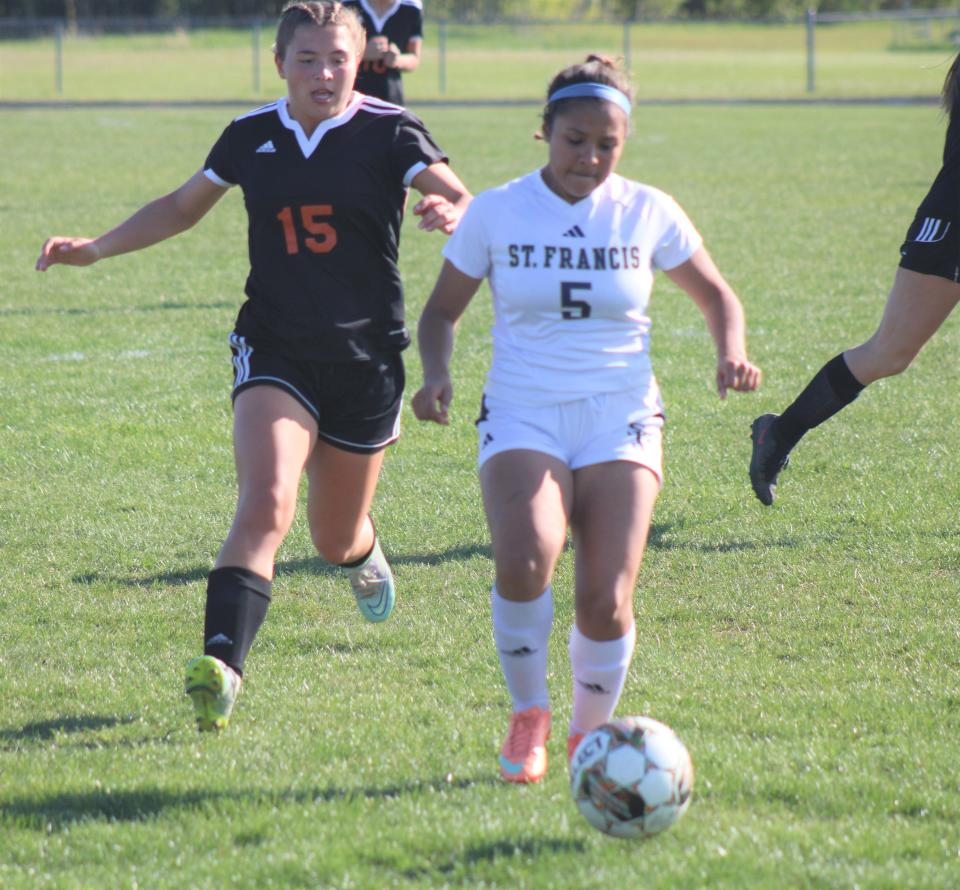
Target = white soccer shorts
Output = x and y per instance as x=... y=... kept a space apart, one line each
x=601 y=428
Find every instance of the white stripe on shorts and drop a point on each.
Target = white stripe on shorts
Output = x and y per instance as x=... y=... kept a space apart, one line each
x=930 y=230
x=241 y=360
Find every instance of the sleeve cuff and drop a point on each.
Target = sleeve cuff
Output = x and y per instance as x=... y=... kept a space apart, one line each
x=216 y=180
x=413 y=171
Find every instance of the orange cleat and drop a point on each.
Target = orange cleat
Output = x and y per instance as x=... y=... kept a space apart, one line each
x=573 y=740
x=523 y=757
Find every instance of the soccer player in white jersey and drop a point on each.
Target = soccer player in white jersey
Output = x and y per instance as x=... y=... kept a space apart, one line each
x=569 y=430
x=316 y=347
x=925 y=291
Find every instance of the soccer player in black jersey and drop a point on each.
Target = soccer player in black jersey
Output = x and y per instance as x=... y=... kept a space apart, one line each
x=924 y=292
x=394 y=37
x=316 y=347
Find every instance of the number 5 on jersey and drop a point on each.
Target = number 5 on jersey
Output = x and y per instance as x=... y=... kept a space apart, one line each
x=320 y=236
x=574 y=309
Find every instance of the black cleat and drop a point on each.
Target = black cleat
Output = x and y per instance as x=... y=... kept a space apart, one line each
x=765 y=465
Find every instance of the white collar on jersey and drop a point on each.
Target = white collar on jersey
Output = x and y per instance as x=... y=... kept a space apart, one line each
x=379 y=22
x=309 y=146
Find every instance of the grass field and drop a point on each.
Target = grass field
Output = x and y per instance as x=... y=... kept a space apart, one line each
x=494 y=62
x=807 y=654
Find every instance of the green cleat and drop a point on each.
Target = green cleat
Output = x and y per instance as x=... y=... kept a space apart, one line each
x=372 y=584
x=213 y=686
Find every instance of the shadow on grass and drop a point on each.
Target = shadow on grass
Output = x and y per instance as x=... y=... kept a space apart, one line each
x=64 y=809
x=490 y=852
x=68 y=731
x=659 y=539
x=113 y=310
x=47 y=729
x=312 y=564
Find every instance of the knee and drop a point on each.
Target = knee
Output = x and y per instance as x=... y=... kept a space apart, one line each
x=267 y=512
x=897 y=361
x=602 y=614
x=523 y=576
x=875 y=360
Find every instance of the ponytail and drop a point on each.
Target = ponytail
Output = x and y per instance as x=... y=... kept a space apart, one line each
x=950 y=95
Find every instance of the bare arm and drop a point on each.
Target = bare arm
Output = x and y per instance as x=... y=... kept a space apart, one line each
x=438 y=323
x=404 y=61
x=701 y=279
x=445 y=198
x=375 y=48
x=160 y=219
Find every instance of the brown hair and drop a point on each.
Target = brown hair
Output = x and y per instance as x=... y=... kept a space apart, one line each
x=321 y=13
x=596 y=69
x=950 y=95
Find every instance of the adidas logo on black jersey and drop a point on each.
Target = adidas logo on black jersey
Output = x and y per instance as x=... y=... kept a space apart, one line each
x=575 y=232
x=930 y=232
x=266 y=148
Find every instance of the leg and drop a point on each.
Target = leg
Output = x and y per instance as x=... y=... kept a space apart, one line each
x=613 y=507
x=916 y=307
x=273 y=435
x=527 y=497
x=341 y=490
x=342 y=486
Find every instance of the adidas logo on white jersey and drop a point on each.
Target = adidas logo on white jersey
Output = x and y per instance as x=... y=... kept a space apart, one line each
x=266 y=148
x=575 y=232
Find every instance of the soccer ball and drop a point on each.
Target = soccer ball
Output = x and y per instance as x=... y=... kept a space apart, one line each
x=631 y=778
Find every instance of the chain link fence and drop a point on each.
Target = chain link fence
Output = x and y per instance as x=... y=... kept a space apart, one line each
x=229 y=59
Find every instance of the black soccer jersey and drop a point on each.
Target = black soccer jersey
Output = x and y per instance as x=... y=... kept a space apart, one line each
x=951 y=145
x=401 y=23
x=324 y=225
x=944 y=195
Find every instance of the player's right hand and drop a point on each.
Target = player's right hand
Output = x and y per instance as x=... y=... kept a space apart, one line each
x=432 y=402
x=376 y=47
x=69 y=251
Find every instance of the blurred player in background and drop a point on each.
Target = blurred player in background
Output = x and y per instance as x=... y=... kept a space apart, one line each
x=318 y=377
x=925 y=290
x=570 y=423
x=394 y=38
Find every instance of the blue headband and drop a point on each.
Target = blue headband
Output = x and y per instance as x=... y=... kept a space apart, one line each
x=592 y=91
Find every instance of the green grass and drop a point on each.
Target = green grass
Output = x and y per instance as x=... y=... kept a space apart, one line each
x=807 y=654
x=495 y=62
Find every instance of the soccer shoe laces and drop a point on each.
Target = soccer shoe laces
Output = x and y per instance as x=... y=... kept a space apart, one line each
x=529 y=729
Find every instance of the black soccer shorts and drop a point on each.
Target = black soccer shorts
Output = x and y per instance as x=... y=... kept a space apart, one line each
x=932 y=243
x=356 y=404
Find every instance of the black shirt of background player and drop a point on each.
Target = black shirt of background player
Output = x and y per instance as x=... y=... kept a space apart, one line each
x=401 y=24
x=324 y=226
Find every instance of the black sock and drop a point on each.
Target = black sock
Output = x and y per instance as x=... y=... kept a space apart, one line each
x=832 y=388
x=358 y=562
x=237 y=601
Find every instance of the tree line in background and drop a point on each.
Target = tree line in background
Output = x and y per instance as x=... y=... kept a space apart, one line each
x=463 y=10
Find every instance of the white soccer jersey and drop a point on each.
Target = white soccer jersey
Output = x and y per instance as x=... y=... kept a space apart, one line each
x=570 y=284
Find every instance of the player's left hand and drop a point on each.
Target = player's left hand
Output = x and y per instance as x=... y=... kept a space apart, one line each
x=390 y=56
x=436 y=212
x=432 y=401
x=375 y=48
x=738 y=374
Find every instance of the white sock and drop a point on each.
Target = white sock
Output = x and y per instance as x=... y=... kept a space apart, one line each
x=521 y=632
x=599 y=672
